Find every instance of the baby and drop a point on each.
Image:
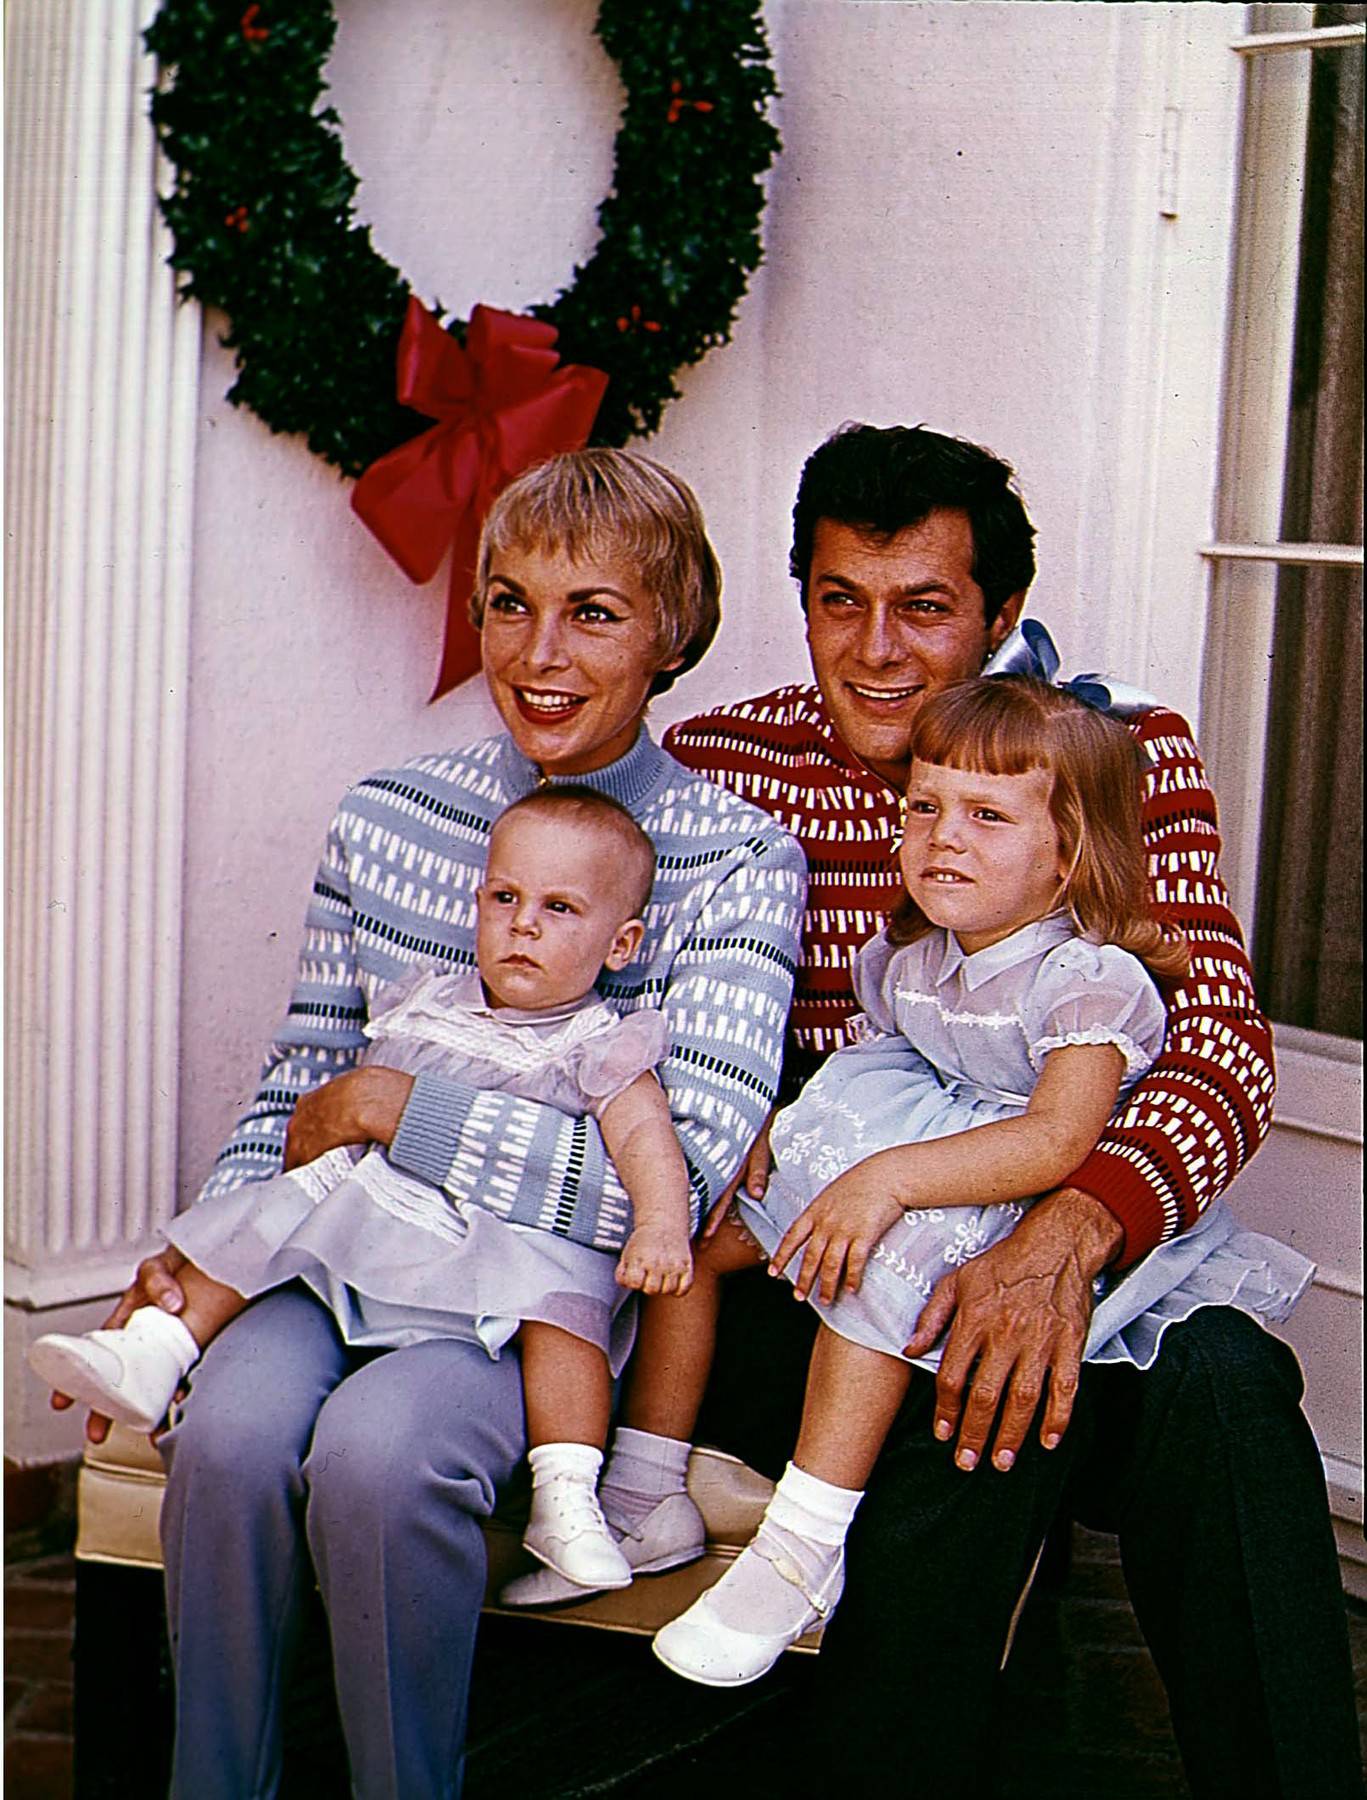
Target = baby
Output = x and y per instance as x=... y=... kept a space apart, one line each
x=568 y=875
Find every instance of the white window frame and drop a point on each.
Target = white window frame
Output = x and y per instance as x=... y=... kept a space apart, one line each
x=1244 y=557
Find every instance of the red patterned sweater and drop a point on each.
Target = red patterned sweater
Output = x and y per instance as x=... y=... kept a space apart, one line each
x=1189 y=1126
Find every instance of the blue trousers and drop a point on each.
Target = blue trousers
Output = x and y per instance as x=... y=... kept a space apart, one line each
x=1205 y=1468
x=297 y=1458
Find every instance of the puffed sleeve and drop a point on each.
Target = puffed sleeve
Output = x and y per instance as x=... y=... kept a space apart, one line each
x=605 y=1065
x=1094 y=994
x=874 y=981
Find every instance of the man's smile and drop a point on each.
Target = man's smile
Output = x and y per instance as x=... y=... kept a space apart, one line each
x=889 y=696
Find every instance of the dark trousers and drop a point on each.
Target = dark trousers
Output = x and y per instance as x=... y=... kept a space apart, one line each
x=1205 y=1469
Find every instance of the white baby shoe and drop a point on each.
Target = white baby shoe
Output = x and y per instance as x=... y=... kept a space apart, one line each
x=130 y=1374
x=672 y=1533
x=702 y=1646
x=567 y=1532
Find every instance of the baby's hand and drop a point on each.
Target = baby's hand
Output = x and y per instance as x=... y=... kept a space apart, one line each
x=656 y=1260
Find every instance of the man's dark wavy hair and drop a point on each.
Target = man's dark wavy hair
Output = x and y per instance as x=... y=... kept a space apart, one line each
x=881 y=480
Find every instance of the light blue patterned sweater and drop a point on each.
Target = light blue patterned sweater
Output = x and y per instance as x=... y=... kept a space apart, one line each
x=397 y=884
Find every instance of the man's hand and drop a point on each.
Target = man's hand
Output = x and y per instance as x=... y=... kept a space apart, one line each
x=1020 y=1312
x=363 y=1106
x=154 y=1284
x=838 y=1231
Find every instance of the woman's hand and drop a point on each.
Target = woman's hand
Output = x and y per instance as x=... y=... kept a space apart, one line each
x=154 y=1284
x=838 y=1231
x=363 y=1106
x=656 y=1260
x=753 y=1176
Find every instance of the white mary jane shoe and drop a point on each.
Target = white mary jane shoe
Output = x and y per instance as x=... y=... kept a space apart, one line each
x=702 y=1647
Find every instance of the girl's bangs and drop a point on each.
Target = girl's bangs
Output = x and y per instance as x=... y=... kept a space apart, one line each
x=992 y=727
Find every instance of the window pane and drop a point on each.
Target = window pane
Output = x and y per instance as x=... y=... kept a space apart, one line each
x=1307 y=950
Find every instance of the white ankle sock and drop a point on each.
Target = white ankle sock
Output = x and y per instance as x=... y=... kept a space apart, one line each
x=805 y=1525
x=808 y=1507
x=549 y=1460
x=642 y=1470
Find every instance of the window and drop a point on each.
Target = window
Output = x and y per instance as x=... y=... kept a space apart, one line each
x=1284 y=681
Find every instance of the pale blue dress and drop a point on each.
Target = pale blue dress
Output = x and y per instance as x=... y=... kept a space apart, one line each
x=364 y=1235
x=947 y=1041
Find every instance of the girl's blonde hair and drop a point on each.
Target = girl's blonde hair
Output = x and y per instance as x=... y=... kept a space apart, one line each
x=1005 y=725
x=609 y=504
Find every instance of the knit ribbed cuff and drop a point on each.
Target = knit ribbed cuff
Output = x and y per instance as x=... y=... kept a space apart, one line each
x=1124 y=1192
x=430 y=1129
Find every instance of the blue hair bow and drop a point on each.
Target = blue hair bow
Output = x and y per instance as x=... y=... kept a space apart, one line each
x=1028 y=649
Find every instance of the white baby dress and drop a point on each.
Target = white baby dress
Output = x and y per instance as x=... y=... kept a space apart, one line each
x=397 y=1260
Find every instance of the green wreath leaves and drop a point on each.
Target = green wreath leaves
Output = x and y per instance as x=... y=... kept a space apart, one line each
x=262 y=214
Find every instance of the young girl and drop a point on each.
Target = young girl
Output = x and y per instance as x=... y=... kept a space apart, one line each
x=1006 y=1006
x=567 y=878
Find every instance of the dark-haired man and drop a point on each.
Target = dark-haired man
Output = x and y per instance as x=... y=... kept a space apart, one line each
x=913 y=553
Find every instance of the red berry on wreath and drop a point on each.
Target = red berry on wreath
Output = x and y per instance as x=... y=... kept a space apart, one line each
x=678 y=103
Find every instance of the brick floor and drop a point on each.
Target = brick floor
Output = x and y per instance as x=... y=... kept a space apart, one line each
x=1082 y=1695
x=40 y=1597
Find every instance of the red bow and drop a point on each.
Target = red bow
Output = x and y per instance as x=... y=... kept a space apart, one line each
x=502 y=403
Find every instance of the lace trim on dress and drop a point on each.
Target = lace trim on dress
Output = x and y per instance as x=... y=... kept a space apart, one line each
x=993 y=1021
x=512 y=1047
x=1137 y=1059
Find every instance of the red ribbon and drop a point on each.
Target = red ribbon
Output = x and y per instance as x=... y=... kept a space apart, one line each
x=501 y=403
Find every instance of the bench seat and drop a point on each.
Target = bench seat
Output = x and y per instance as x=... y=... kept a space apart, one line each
x=120 y=1485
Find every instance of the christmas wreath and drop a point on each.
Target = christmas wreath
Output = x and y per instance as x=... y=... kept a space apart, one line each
x=262 y=216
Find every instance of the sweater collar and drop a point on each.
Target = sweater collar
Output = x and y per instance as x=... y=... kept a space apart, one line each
x=629 y=780
x=1030 y=941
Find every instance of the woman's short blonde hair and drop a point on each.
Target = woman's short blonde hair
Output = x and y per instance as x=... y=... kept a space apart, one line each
x=609 y=504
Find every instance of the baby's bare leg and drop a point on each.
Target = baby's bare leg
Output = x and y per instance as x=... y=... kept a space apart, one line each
x=567 y=1387
x=677 y=1337
x=132 y=1372
x=644 y=1488
x=567 y=1391
x=209 y=1305
x=853 y=1396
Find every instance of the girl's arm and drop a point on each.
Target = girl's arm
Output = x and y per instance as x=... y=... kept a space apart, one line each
x=1010 y=1159
x=639 y=1136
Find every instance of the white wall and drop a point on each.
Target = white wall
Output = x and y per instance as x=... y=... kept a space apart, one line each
x=963 y=229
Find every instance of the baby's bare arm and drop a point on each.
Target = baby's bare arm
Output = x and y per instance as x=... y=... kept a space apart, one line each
x=639 y=1137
